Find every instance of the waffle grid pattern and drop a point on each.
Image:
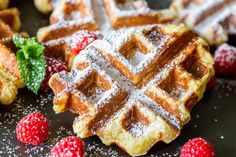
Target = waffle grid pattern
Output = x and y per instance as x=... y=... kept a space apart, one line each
x=211 y=19
x=135 y=100
x=69 y=16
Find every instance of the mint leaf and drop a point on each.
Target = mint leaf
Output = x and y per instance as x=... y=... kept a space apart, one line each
x=31 y=61
x=18 y=40
x=30 y=46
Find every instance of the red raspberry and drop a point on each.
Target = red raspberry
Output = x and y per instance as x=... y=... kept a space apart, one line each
x=81 y=40
x=68 y=147
x=53 y=66
x=211 y=83
x=33 y=129
x=225 y=60
x=197 y=147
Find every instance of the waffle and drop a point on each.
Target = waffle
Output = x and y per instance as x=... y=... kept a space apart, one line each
x=62 y=48
x=135 y=87
x=10 y=79
x=126 y=13
x=45 y=6
x=11 y=17
x=69 y=16
x=4 y=4
x=211 y=19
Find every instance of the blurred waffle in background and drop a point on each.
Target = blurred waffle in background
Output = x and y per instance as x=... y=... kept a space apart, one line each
x=213 y=20
x=10 y=79
x=4 y=4
x=69 y=17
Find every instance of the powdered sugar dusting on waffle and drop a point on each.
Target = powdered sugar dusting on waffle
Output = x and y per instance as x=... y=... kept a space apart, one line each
x=117 y=42
x=232 y=26
x=92 y=54
x=57 y=2
x=136 y=129
x=94 y=57
x=71 y=23
x=138 y=101
x=210 y=19
x=74 y=18
x=192 y=7
x=101 y=16
x=218 y=17
x=60 y=14
x=74 y=15
x=77 y=76
x=94 y=7
x=72 y=40
x=137 y=58
x=132 y=8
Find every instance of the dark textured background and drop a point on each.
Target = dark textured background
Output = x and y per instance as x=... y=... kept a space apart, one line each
x=214 y=117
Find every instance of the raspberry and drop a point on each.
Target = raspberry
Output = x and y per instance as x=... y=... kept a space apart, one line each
x=81 y=40
x=225 y=60
x=197 y=147
x=68 y=147
x=33 y=129
x=211 y=83
x=53 y=66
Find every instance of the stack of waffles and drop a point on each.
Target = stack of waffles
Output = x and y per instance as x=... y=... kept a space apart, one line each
x=70 y=16
x=135 y=87
x=10 y=79
x=211 y=19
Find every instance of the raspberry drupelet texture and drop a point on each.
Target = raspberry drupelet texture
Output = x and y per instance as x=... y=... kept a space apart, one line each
x=33 y=129
x=197 y=147
x=81 y=40
x=225 y=60
x=53 y=66
x=68 y=147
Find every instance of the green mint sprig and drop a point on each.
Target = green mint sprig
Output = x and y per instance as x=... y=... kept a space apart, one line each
x=31 y=61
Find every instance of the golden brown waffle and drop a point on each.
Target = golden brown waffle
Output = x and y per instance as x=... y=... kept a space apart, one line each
x=11 y=17
x=4 y=4
x=127 y=13
x=211 y=19
x=62 y=47
x=45 y=6
x=69 y=16
x=10 y=79
x=135 y=87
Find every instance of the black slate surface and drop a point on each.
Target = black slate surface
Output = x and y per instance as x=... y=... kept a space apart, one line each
x=213 y=118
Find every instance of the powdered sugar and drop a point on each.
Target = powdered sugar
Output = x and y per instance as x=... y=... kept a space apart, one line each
x=133 y=8
x=118 y=41
x=93 y=12
x=94 y=150
x=21 y=107
x=97 y=95
x=210 y=19
x=137 y=57
x=94 y=56
x=101 y=16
